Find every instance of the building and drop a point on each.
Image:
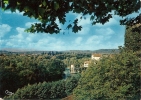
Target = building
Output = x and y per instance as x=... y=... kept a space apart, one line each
x=96 y=56
x=72 y=69
x=86 y=64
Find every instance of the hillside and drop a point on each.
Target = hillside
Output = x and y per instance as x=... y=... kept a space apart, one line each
x=107 y=51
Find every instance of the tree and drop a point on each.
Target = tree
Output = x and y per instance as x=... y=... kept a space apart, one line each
x=55 y=69
x=116 y=78
x=47 y=11
x=132 y=40
x=71 y=83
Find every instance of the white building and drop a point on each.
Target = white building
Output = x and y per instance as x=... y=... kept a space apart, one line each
x=86 y=63
x=96 y=56
x=72 y=69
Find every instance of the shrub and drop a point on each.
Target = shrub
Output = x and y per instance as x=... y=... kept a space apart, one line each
x=51 y=90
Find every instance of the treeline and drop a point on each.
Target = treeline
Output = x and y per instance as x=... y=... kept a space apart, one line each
x=67 y=52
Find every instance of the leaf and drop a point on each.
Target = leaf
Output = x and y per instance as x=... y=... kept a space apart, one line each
x=41 y=11
x=13 y=10
x=76 y=28
x=75 y=21
x=26 y=8
x=56 y=6
x=63 y=20
x=40 y=5
x=44 y=3
x=83 y=7
x=69 y=26
x=6 y=1
x=92 y=17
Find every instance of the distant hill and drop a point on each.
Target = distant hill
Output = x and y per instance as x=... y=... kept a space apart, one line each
x=103 y=51
x=107 y=51
x=94 y=51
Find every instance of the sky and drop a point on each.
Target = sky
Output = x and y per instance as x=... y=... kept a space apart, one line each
x=13 y=36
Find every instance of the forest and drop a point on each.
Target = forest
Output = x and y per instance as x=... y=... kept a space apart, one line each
x=21 y=69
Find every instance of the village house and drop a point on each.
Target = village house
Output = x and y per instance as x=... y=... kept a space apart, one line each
x=86 y=64
x=74 y=70
x=96 y=56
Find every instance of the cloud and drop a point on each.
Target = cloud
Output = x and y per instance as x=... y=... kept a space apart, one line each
x=21 y=34
x=105 y=31
x=47 y=43
x=28 y=24
x=35 y=41
x=4 y=28
x=85 y=23
x=84 y=31
x=90 y=37
x=78 y=40
x=96 y=42
x=42 y=41
x=94 y=39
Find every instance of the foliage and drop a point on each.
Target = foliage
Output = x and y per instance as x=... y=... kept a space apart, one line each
x=71 y=83
x=50 y=90
x=47 y=11
x=8 y=81
x=22 y=70
x=132 y=40
x=35 y=67
x=116 y=78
